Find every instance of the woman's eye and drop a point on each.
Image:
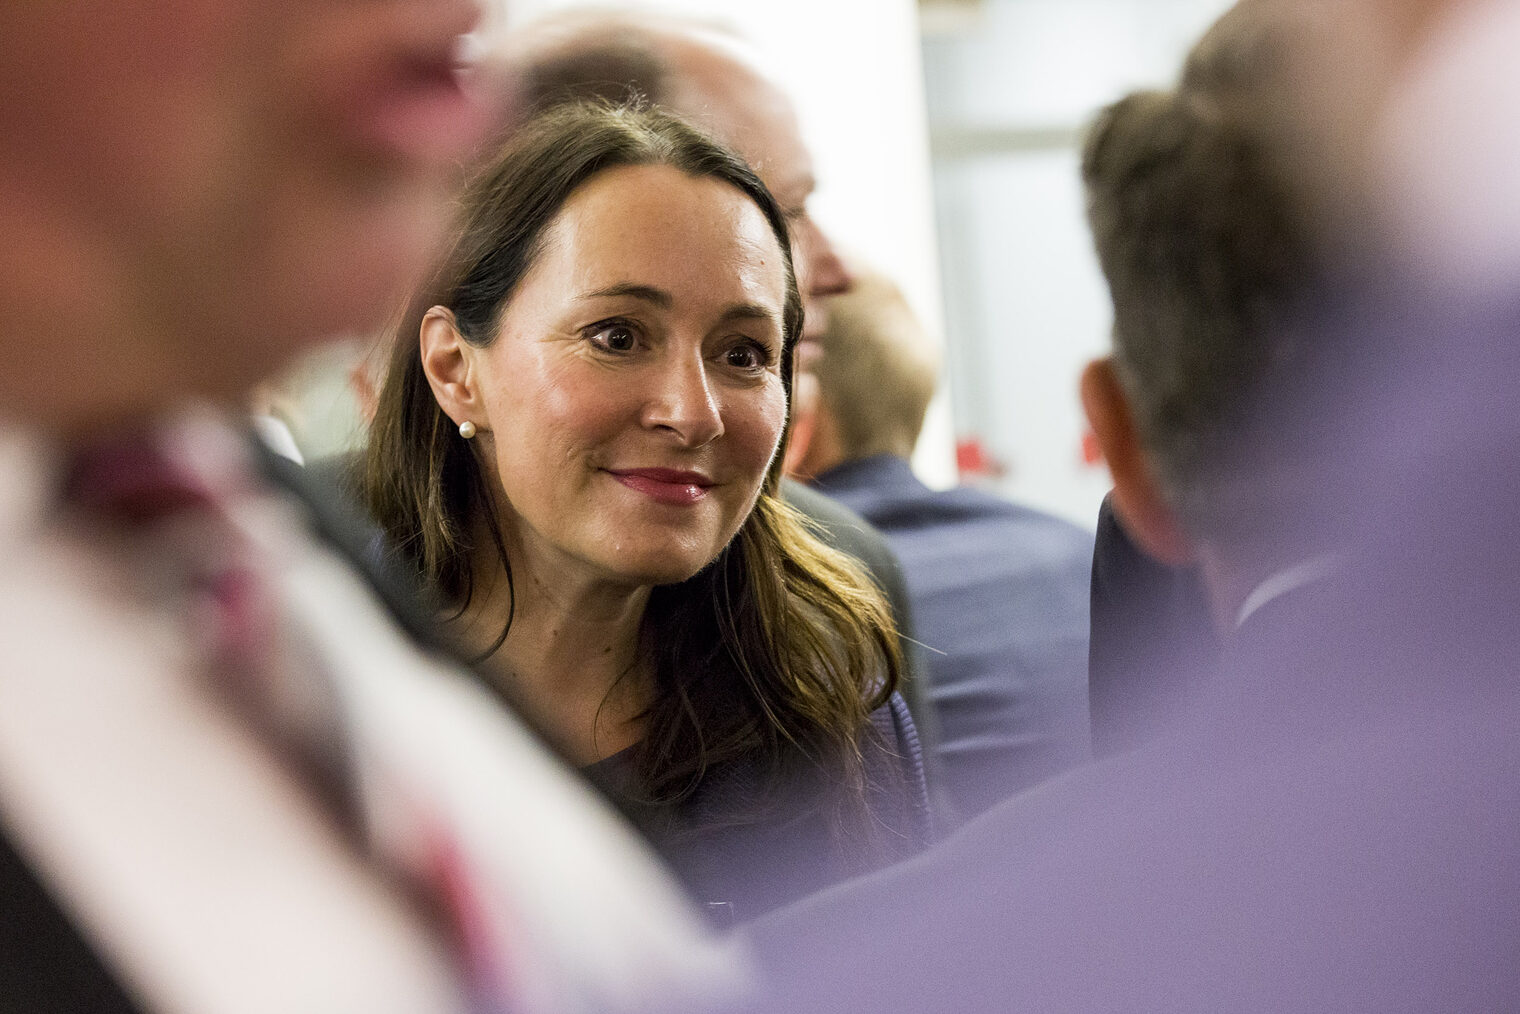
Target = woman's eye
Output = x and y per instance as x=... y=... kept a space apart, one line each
x=614 y=337
x=747 y=357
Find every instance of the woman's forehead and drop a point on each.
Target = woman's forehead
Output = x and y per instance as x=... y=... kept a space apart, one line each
x=659 y=227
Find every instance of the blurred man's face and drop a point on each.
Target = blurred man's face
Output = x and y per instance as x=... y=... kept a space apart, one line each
x=213 y=183
x=755 y=118
x=758 y=120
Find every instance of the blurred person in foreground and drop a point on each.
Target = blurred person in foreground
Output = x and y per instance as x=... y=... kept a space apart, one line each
x=227 y=782
x=1331 y=825
x=999 y=591
x=1153 y=644
x=713 y=79
x=578 y=448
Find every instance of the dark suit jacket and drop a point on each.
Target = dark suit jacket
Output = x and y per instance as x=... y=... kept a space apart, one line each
x=1153 y=642
x=1000 y=597
x=45 y=965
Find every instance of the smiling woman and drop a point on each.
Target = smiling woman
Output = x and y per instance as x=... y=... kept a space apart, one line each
x=634 y=379
x=578 y=447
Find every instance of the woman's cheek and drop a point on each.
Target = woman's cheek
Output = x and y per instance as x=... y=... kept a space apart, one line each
x=773 y=421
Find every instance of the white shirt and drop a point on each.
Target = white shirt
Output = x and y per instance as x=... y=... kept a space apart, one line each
x=1281 y=582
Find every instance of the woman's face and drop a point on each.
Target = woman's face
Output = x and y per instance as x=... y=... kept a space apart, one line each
x=633 y=396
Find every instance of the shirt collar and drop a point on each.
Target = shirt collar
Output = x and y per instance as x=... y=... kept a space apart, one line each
x=1291 y=578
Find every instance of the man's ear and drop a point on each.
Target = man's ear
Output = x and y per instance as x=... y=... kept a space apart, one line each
x=448 y=362
x=1137 y=493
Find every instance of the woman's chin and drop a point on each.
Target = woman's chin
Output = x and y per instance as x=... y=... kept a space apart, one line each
x=658 y=569
x=669 y=575
x=651 y=555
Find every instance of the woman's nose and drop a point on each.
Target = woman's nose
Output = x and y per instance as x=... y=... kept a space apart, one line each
x=681 y=402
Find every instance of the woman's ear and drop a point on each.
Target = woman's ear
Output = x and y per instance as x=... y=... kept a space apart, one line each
x=448 y=362
x=1137 y=493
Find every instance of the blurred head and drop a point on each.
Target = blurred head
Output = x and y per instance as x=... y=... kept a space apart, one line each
x=204 y=186
x=616 y=321
x=1339 y=87
x=1202 y=241
x=876 y=376
x=1442 y=150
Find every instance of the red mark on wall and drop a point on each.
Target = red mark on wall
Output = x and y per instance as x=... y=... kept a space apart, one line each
x=974 y=461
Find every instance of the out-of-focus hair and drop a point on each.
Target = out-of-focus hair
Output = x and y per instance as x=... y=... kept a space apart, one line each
x=1209 y=263
x=615 y=67
x=877 y=370
x=610 y=55
x=781 y=642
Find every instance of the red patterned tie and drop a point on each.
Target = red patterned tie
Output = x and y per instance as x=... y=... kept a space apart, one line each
x=138 y=483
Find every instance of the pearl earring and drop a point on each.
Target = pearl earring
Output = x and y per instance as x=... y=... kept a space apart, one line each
x=467 y=429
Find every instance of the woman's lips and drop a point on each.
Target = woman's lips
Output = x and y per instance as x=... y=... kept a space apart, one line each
x=665 y=485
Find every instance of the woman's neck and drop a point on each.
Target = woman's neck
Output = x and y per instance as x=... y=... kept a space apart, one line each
x=571 y=658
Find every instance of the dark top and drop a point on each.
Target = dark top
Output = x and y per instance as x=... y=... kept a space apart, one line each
x=1153 y=644
x=1000 y=598
x=740 y=865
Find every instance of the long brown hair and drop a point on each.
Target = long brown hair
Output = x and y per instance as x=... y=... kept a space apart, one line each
x=780 y=648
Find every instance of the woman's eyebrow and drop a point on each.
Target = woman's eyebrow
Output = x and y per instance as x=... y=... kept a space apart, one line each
x=751 y=311
x=665 y=301
x=648 y=293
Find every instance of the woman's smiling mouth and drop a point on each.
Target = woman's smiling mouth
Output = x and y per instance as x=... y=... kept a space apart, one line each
x=665 y=485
